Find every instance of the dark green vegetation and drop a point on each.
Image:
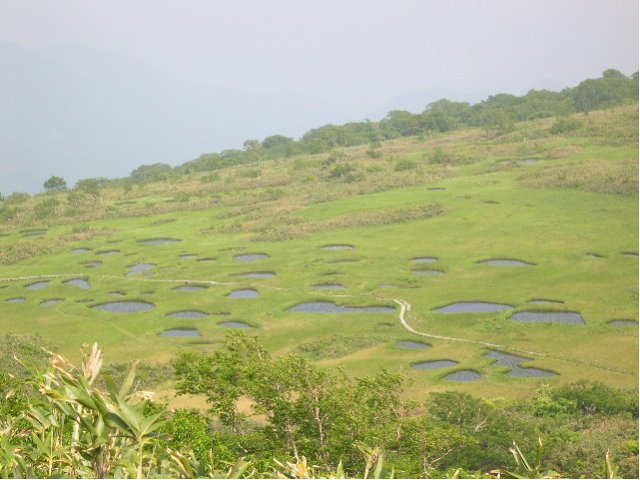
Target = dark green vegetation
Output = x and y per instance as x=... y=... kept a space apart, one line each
x=283 y=416
x=544 y=179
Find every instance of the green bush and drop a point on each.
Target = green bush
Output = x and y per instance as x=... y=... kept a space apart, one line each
x=249 y=173
x=440 y=156
x=565 y=124
x=598 y=398
x=404 y=165
x=181 y=197
x=17 y=198
x=46 y=209
x=8 y=213
x=212 y=177
x=334 y=157
x=342 y=170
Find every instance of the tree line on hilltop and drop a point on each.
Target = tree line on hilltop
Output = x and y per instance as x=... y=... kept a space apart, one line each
x=497 y=115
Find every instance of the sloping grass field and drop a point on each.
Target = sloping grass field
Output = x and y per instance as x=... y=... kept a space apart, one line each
x=565 y=205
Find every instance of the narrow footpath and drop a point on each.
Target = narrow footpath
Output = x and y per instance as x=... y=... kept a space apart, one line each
x=405 y=307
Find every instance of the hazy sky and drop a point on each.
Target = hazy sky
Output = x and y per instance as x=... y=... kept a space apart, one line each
x=346 y=47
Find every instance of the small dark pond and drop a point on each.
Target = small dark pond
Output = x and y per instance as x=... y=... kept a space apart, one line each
x=244 y=293
x=473 y=307
x=630 y=254
x=187 y=314
x=189 y=255
x=345 y=260
x=436 y=188
x=555 y=317
x=37 y=285
x=190 y=288
x=107 y=252
x=544 y=301
x=344 y=246
x=250 y=257
x=49 y=302
x=412 y=345
x=505 y=262
x=257 y=275
x=15 y=300
x=139 y=267
x=516 y=369
x=529 y=161
x=78 y=282
x=329 y=307
x=117 y=294
x=623 y=323
x=206 y=260
x=463 y=376
x=158 y=241
x=593 y=255
x=95 y=264
x=180 y=332
x=328 y=286
x=235 y=325
x=427 y=271
x=124 y=307
x=423 y=259
x=433 y=364
x=506 y=359
x=79 y=250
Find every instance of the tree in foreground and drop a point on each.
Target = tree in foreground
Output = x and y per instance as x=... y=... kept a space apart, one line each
x=71 y=427
x=76 y=422
x=74 y=429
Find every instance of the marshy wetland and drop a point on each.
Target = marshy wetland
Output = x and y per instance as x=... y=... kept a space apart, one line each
x=548 y=266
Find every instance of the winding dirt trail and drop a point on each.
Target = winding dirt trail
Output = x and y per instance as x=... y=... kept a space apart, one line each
x=405 y=307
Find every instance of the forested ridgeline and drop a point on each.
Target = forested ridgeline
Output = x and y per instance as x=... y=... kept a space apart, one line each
x=286 y=418
x=497 y=115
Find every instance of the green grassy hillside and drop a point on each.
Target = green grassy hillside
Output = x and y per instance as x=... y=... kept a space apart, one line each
x=567 y=204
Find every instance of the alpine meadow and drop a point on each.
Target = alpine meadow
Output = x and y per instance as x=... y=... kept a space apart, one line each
x=451 y=293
